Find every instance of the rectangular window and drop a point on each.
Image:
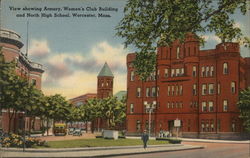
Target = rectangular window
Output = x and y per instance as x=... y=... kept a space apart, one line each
x=131 y=108
x=218 y=88
x=178 y=53
x=138 y=92
x=194 y=71
x=212 y=125
x=138 y=125
x=233 y=126
x=172 y=104
x=172 y=90
x=204 y=89
x=158 y=91
x=211 y=106
x=203 y=71
x=225 y=105
x=132 y=76
x=207 y=71
x=225 y=68
x=212 y=71
x=202 y=126
x=182 y=71
x=147 y=92
x=33 y=82
x=166 y=73
x=153 y=92
x=169 y=89
x=177 y=89
x=194 y=89
x=168 y=105
x=211 y=88
x=233 y=87
x=181 y=105
x=178 y=72
x=204 y=106
x=154 y=76
x=181 y=90
x=172 y=72
x=218 y=125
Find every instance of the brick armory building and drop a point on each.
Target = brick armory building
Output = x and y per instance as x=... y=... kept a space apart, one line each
x=198 y=87
x=11 y=45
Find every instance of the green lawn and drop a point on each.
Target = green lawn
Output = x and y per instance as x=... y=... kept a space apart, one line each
x=100 y=142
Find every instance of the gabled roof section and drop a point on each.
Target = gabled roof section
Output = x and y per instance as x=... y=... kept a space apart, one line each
x=105 y=71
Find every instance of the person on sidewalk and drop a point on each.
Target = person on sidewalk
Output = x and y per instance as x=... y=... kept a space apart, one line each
x=144 y=138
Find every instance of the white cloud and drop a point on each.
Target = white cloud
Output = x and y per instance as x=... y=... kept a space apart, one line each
x=239 y=25
x=39 y=48
x=211 y=37
x=104 y=52
x=72 y=74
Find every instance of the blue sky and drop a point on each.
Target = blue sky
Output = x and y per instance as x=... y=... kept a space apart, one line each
x=73 y=50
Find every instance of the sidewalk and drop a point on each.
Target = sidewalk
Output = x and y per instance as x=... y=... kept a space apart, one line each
x=94 y=151
x=216 y=141
x=203 y=140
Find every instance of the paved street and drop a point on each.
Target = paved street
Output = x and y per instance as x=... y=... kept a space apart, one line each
x=212 y=150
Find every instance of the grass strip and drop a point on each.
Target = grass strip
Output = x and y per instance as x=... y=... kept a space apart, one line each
x=100 y=142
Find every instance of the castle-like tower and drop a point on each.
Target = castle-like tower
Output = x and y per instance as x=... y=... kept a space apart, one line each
x=105 y=82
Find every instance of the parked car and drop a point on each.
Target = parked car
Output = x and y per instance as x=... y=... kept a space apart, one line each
x=71 y=131
x=77 y=132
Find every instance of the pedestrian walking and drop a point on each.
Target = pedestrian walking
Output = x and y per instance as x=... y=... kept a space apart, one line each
x=144 y=138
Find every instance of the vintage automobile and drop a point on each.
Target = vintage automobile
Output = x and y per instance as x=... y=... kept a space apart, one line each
x=60 y=129
x=71 y=131
x=77 y=132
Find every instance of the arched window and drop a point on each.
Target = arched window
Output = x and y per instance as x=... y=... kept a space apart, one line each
x=225 y=68
x=132 y=76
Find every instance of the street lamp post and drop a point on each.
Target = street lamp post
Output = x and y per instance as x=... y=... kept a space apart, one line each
x=149 y=108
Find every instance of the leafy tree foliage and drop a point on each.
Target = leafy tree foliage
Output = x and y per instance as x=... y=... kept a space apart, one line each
x=244 y=106
x=151 y=23
x=17 y=95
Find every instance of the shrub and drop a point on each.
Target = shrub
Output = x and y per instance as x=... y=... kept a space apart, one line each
x=15 y=140
x=170 y=140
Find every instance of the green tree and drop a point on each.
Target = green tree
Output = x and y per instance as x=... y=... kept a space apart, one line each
x=244 y=106
x=114 y=111
x=13 y=89
x=56 y=108
x=93 y=112
x=151 y=23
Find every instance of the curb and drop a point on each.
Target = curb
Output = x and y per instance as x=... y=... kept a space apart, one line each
x=84 y=149
x=131 y=153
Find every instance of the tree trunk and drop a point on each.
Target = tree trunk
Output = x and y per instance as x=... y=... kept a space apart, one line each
x=47 y=128
x=92 y=126
x=30 y=121
x=14 y=123
x=42 y=126
x=10 y=120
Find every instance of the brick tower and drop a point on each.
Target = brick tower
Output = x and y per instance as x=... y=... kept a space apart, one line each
x=105 y=82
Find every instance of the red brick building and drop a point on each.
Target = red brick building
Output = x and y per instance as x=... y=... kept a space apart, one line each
x=11 y=45
x=104 y=89
x=198 y=87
